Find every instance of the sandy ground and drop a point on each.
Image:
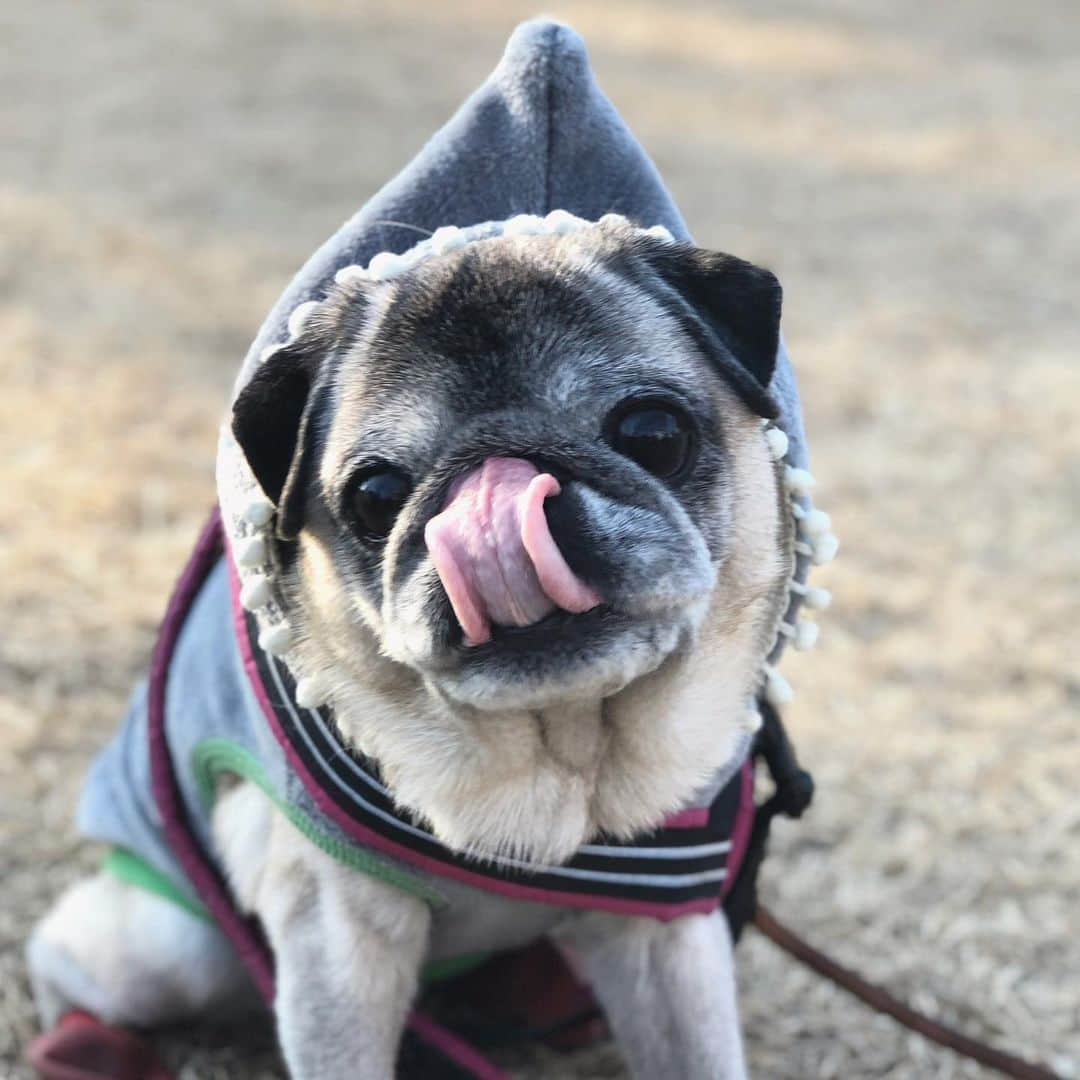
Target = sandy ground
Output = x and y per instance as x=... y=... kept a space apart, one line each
x=910 y=171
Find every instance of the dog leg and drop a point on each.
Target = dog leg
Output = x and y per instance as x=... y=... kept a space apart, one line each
x=668 y=990
x=347 y=947
x=129 y=957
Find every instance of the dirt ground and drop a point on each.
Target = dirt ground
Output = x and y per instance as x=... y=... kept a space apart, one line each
x=910 y=171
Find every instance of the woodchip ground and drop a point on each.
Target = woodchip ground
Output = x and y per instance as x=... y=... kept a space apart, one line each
x=910 y=171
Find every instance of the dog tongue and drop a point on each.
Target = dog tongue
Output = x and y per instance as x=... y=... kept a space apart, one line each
x=494 y=553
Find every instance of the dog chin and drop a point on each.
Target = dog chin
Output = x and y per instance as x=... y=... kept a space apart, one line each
x=538 y=668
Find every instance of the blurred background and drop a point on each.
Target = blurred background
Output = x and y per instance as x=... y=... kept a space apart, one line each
x=911 y=172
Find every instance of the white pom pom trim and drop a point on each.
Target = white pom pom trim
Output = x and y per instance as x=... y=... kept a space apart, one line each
x=448 y=238
x=803 y=635
x=815 y=599
x=661 y=232
x=798 y=481
x=258 y=511
x=300 y=316
x=812 y=522
x=525 y=225
x=778 y=690
x=251 y=551
x=348 y=274
x=612 y=220
x=256 y=592
x=778 y=442
x=751 y=720
x=276 y=639
x=825 y=549
x=562 y=222
x=815 y=542
x=387 y=265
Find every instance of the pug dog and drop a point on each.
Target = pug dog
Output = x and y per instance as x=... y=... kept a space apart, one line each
x=536 y=550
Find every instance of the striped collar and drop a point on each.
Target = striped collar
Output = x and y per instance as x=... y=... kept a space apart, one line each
x=686 y=865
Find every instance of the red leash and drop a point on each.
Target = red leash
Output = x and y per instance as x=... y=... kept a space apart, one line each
x=882 y=1001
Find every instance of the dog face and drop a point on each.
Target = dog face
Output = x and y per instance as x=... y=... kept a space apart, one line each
x=513 y=458
x=517 y=473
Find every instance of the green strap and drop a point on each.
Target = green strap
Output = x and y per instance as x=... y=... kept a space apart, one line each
x=128 y=867
x=216 y=755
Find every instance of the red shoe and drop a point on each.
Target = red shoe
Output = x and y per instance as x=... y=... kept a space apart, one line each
x=81 y=1047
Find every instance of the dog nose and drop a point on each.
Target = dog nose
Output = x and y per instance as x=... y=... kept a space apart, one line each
x=494 y=553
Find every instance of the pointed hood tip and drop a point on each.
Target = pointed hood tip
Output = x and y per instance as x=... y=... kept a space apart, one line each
x=557 y=42
x=545 y=71
x=564 y=123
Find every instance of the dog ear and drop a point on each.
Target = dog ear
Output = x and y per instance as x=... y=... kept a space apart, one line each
x=731 y=307
x=271 y=420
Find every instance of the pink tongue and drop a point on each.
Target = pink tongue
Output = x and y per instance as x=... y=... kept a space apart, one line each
x=495 y=554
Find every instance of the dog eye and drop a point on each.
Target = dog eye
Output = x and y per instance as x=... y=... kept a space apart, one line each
x=376 y=499
x=658 y=437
